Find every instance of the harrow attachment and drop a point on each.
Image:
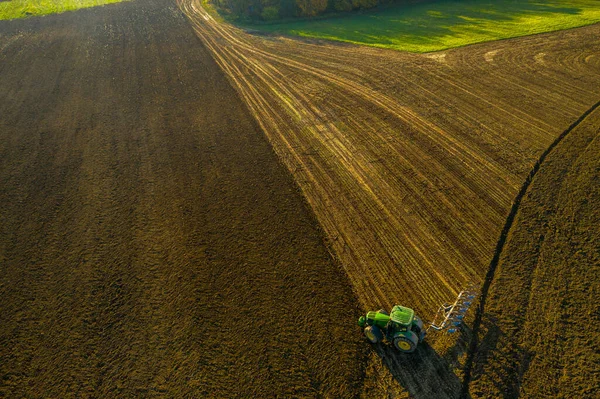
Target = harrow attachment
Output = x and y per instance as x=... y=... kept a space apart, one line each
x=449 y=317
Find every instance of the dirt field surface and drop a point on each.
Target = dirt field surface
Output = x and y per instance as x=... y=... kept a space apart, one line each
x=410 y=162
x=539 y=334
x=151 y=244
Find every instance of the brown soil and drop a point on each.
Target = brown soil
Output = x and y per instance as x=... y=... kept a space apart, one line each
x=539 y=330
x=151 y=244
x=410 y=162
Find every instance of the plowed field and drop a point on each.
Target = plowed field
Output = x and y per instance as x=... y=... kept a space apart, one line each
x=411 y=162
x=538 y=335
x=151 y=244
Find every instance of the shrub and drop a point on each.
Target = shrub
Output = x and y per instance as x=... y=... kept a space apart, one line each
x=270 y=13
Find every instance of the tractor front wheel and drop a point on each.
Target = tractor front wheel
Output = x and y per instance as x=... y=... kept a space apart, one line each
x=373 y=334
x=406 y=342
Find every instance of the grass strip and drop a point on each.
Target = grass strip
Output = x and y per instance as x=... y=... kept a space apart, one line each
x=15 y=9
x=444 y=24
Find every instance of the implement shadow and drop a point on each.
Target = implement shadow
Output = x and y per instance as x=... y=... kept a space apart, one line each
x=500 y=361
x=498 y=366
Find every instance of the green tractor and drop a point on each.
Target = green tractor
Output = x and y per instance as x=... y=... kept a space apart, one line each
x=402 y=328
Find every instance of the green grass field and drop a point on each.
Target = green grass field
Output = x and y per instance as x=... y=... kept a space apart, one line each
x=439 y=25
x=13 y=9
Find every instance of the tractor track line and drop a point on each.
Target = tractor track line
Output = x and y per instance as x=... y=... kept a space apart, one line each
x=500 y=247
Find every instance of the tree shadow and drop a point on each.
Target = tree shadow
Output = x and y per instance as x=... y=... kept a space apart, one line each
x=427 y=25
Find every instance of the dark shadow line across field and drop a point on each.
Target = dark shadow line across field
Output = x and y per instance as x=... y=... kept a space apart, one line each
x=474 y=344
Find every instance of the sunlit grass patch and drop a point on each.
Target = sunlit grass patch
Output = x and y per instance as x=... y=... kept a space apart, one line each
x=439 y=25
x=13 y=9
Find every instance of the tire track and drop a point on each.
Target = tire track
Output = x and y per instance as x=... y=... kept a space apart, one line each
x=282 y=88
x=500 y=246
x=410 y=164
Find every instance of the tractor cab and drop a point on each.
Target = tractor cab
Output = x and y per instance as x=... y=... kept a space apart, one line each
x=401 y=327
x=401 y=319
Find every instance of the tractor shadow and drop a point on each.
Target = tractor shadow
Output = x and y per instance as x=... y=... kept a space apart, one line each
x=423 y=373
x=499 y=360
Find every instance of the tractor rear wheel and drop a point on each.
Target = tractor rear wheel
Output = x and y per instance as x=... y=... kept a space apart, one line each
x=419 y=323
x=406 y=342
x=417 y=328
x=373 y=334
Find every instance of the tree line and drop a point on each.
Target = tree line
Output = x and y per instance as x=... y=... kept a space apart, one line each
x=269 y=10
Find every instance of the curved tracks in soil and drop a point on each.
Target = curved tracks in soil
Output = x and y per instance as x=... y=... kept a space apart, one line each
x=489 y=278
x=409 y=161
